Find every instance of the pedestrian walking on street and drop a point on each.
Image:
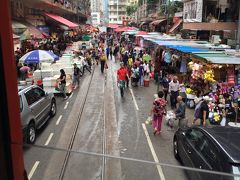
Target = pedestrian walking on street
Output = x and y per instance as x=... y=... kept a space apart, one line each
x=145 y=67
x=147 y=70
x=174 y=91
x=111 y=52
x=76 y=75
x=165 y=85
x=86 y=66
x=125 y=58
x=180 y=112
x=93 y=55
x=158 y=111
x=140 y=55
x=134 y=54
x=97 y=57
x=135 y=75
x=122 y=77
x=137 y=62
x=141 y=74
x=62 y=83
x=107 y=52
x=115 y=53
x=130 y=61
x=103 y=60
x=89 y=60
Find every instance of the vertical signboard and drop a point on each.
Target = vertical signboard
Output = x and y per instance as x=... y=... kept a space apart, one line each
x=193 y=11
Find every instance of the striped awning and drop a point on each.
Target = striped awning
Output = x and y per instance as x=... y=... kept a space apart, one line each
x=176 y=25
x=155 y=23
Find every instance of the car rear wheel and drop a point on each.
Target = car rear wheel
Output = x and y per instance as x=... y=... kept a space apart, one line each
x=53 y=109
x=175 y=148
x=31 y=134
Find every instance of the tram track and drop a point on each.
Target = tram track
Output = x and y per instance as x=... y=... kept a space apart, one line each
x=75 y=130
x=104 y=132
x=73 y=136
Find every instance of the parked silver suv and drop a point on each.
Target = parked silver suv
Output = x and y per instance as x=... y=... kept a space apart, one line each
x=36 y=107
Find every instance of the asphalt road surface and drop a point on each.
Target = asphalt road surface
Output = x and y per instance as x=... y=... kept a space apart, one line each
x=95 y=120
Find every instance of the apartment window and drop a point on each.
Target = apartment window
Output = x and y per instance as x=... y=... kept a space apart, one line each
x=115 y=19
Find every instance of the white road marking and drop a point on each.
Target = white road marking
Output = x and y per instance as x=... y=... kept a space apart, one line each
x=59 y=119
x=134 y=99
x=49 y=139
x=159 y=168
x=33 y=169
x=66 y=105
x=71 y=96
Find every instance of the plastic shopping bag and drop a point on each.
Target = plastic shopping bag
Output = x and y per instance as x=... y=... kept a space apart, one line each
x=223 y=122
x=149 y=120
x=170 y=117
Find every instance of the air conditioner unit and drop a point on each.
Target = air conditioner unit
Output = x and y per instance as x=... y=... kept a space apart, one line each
x=215 y=39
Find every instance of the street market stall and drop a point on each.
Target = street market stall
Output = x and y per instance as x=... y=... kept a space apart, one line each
x=218 y=74
x=203 y=69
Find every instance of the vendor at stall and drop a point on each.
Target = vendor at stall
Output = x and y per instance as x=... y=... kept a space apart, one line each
x=180 y=112
x=174 y=91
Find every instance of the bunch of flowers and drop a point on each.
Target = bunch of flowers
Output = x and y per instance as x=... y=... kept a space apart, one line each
x=209 y=76
x=189 y=91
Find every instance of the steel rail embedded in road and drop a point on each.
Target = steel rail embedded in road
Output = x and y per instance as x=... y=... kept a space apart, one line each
x=61 y=176
x=104 y=133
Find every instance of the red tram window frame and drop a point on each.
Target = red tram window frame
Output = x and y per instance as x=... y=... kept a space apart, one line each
x=11 y=149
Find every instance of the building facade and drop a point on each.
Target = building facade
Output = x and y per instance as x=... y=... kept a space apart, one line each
x=132 y=2
x=117 y=11
x=34 y=19
x=105 y=14
x=95 y=18
x=96 y=6
x=209 y=17
x=149 y=10
x=33 y=11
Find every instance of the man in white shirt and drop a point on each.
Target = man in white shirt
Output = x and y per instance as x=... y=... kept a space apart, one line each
x=174 y=91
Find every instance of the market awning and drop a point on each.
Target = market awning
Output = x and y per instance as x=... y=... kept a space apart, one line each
x=130 y=32
x=144 y=23
x=176 y=25
x=113 y=26
x=15 y=36
x=186 y=49
x=127 y=28
x=218 y=58
x=141 y=33
x=18 y=28
x=33 y=32
x=63 y=27
x=155 y=23
x=62 y=20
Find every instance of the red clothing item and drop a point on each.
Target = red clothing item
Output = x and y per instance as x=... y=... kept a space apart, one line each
x=122 y=73
x=137 y=63
x=159 y=107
